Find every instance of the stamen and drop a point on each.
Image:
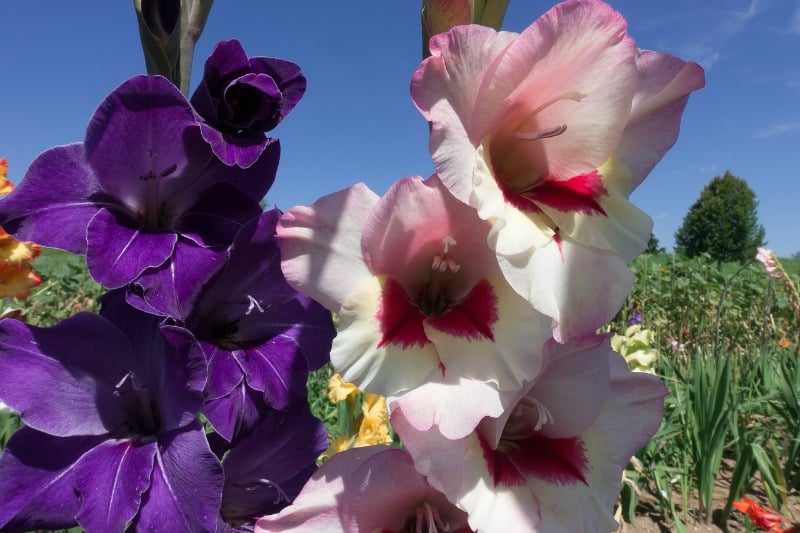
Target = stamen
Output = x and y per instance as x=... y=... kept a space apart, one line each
x=433 y=300
x=545 y=416
x=447 y=242
x=128 y=376
x=442 y=263
x=427 y=515
x=535 y=136
x=282 y=496
x=253 y=305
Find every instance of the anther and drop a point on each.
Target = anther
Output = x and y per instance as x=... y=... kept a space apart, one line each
x=253 y=305
x=547 y=134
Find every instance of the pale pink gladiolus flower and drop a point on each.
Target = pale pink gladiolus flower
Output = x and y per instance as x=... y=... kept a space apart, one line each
x=419 y=294
x=546 y=133
x=366 y=490
x=554 y=460
x=767 y=258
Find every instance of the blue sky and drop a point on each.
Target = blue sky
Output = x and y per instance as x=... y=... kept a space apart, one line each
x=357 y=121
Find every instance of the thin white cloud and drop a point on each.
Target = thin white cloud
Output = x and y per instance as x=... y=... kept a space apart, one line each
x=707 y=49
x=794 y=26
x=778 y=129
x=703 y=169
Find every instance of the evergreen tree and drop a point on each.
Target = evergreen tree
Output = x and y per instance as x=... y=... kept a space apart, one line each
x=722 y=222
x=653 y=246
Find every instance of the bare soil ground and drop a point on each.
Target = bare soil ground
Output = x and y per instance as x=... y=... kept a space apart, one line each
x=649 y=519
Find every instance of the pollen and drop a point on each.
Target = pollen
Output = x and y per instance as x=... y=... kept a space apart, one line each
x=442 y=263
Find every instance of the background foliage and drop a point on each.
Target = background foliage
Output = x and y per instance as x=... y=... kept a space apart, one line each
x=722 y=223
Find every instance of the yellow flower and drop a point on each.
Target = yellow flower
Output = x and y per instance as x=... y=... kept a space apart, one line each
x=338 y=445
x=635 y=347
x=374 y=428
x=338 y=390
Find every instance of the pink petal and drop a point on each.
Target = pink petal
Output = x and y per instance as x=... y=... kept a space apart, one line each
x=574 y=66
x=664 y=87
x=450 y=91
x=362 y=489
x=321 y=245
x=407 y=229
x=453 y=407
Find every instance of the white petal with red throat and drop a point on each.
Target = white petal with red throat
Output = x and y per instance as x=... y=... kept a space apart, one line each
x=664 y=87
x=507 y=354
x=378 y=355
x=458 y=469
x=547 y=479
x=624 y=229
x=321 y=245
x=581 y=288
x=629 y=418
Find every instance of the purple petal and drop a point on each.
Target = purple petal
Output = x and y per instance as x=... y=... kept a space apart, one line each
x=171 y=289
x=170 y=363
x=251 y=299
x=236 y=413
x=139 y=132
x=288 y=77
x=224 y=372
x=183 y=377
x=111 y=479
x=227 y=59
x=254 y=178
x=36 y=483
x=78 y=362
x=250 y=98
x=265 y=471
x=52 y=204
x=310 y=327
x=274 y=368
x=241 y=150
x=119 y=251
x=186 y=486
x=219 y=213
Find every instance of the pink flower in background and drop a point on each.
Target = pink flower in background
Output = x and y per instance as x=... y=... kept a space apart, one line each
x=546 y=133
x=419 y=294
x=767 y=258
x=367 y=489
x=554 y=460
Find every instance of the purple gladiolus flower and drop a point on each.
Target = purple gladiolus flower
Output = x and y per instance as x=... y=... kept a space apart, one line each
x=142 y=194
x=260 y=335
x=242 y=98
x=112 y=437
x=636 y=318
x=265 y=470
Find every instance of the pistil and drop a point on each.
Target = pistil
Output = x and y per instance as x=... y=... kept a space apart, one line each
x=429 y=520
x=434 y=301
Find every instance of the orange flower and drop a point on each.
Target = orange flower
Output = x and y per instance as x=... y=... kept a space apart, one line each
x=784 y=343
x=16 y=252
x=16 y=281
x=5 y=185
x=763 y=519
